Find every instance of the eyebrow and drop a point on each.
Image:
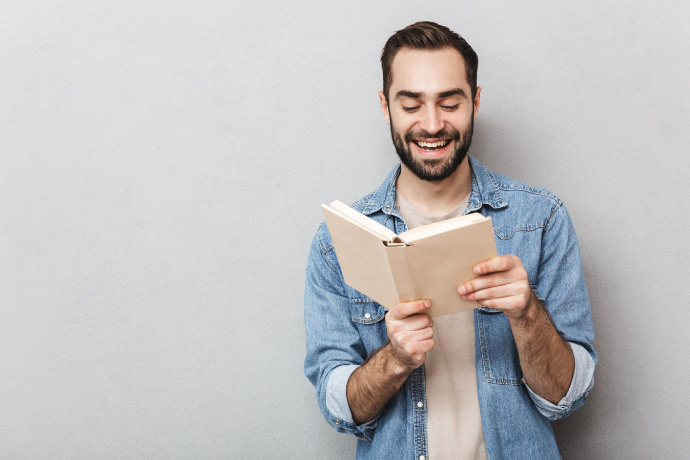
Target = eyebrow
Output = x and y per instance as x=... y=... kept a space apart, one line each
x=441 y=95
x=452 y=92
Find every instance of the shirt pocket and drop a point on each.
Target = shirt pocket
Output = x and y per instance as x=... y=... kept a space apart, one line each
x=368 y=316
x=500 y=359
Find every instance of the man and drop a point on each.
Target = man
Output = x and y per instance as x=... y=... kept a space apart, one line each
x=478 y=384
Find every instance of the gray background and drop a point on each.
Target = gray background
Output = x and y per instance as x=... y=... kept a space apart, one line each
x=163 y=164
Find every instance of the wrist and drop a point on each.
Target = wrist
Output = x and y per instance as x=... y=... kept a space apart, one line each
x=530 y=313
x=394 y=365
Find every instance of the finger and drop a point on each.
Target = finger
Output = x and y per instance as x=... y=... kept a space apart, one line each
x=411 y=337
x=507 y=304
x=422 y=347
x=412 y=344
x=417 y=322
x=496 y=292
x=497 y=264
x=486 y=281
x=425 y=346
x=410 y=323
x=405 y=309
x=426 y=334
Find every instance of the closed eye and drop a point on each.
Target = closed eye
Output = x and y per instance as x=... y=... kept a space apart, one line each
x=410 y=109
x=450 y=107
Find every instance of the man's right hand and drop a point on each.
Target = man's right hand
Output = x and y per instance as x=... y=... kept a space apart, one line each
x=374 y=383
x=410 y=333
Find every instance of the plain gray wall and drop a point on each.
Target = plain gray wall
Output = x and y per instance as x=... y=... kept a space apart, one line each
x=163 y=164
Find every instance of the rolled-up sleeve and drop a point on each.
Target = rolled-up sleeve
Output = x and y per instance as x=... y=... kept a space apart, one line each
x=336 y=397
x=580 y=386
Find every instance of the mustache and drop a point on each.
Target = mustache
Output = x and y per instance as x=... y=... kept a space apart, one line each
x=445 y=133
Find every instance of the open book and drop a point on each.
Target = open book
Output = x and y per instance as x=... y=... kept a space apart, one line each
x=427 y=262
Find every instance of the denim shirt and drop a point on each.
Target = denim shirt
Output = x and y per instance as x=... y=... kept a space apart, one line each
x=343 y=327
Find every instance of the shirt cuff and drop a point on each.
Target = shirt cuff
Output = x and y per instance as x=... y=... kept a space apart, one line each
x=336 y=396
x=583 y=378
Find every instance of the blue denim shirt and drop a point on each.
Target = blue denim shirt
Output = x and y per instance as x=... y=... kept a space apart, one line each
x=343 y=327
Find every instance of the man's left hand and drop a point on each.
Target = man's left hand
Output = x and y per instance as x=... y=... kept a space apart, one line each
x=546 y=360
x=502 y=283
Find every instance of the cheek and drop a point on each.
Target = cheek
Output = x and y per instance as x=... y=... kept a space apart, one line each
x=404 y=126
x=396 y=129
x=462 y=123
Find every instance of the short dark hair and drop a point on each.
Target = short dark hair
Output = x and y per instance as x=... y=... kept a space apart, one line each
x=427 y=35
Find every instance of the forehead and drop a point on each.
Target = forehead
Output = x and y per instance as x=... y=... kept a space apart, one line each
x=428 y=71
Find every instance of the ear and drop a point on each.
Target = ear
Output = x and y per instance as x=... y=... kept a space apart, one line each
x=476 y=102
x=384 y=107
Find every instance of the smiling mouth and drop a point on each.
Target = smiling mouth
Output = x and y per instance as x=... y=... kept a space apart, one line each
x=432 y=146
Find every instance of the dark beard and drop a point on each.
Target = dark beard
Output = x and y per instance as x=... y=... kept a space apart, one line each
x=433 y=170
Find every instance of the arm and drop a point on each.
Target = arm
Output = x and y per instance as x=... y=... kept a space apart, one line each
x=546 y=359
x=374 y=383
x=336 y=351
x=560 y=286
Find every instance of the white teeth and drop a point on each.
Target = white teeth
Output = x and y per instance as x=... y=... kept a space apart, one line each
x=431 y=145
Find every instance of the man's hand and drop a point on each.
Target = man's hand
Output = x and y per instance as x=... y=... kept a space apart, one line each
x=546 y=359
x=503 y=284
x=410 y=333
x=375 y=382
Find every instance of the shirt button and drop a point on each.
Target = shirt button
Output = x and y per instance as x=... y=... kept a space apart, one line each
x=420 y=404
x=367 y=315
x=422 y=457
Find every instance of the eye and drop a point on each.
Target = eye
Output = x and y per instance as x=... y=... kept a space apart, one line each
x=450 y=108
x=410 y=109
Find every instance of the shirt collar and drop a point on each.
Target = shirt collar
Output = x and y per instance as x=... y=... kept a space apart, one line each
x=485 y=190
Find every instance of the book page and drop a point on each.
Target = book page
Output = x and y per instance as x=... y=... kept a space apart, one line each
x=440 y=227
x=362 y=220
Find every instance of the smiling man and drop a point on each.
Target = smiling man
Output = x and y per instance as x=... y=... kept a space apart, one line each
x=477 y=384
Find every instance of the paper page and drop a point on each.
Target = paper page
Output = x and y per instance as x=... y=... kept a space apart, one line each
x=440 y=227
x=362 y=220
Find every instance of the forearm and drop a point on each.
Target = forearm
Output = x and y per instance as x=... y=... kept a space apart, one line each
x=374 y=383
x=546 y=359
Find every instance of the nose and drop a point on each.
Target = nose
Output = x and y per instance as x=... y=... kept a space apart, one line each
x=432 y=122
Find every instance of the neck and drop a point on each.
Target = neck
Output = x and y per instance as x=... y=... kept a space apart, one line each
x=436 y=198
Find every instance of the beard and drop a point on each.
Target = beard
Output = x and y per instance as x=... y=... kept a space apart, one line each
x=433 y=169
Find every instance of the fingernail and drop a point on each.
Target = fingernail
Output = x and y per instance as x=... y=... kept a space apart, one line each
x=461 y=290
x=427 y=303
x=477 y=270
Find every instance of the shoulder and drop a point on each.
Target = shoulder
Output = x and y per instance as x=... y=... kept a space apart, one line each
x=502 y=193
x=519 y=193
x=365 y=202
x=526 y=207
